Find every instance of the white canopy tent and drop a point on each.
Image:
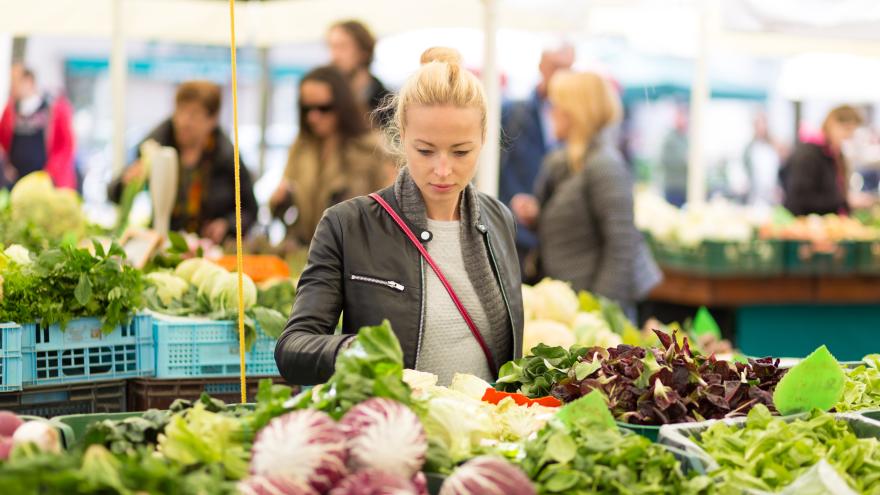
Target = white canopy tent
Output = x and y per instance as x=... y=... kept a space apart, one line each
x=692 y=28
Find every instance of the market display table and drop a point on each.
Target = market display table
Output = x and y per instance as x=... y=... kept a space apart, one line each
x=787 y=315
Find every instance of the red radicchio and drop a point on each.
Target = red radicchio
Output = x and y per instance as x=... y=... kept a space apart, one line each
x=307 y=446
x=487 y=475
x=375 y=482
x=386 y=435
x=274 y=485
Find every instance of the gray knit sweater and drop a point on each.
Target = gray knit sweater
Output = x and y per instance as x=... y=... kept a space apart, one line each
x=448 y=346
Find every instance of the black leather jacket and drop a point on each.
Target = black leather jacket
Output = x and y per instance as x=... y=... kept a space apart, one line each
x=361 y=264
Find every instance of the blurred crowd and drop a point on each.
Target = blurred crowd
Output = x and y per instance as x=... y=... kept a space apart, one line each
x=564 y=171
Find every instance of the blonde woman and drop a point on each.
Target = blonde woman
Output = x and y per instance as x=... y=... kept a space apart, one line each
x=583 y=206
x=430 y=254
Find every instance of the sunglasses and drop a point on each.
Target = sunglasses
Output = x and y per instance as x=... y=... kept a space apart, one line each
x=325 y=108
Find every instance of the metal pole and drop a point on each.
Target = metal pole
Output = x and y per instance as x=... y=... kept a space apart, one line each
x=696 y=177
x=487 y=175
x=118 y=74
x=265 y=104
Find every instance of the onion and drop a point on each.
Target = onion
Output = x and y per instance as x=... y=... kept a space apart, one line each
x=386 y=435
x=307 y=446
x=487 y=475
x=39 y=433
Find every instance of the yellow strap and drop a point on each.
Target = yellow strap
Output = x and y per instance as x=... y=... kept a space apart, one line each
x=238 y=254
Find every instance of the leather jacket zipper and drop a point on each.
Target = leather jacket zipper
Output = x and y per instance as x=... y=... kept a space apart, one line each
x=503 y=290
x=421 y=312
x=387 y=283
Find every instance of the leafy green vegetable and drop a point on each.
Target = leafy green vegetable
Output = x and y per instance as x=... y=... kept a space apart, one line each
x=583 y=457
x=861 y=389
x=536 y=374
x=67 y=282
x=96 y=471
x=271 y=403
x=278 y=295
x=817 y=382
x=127 y=435
x=371 y=367
x=769 y=453
x=199 y=437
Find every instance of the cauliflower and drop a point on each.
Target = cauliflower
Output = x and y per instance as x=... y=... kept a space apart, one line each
x=553 y=300
x=54 y=212
x=547 y=332
x=168 y=286
x=18 y=254
x=591 y=329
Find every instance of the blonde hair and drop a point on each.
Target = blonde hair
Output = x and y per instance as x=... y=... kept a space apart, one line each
x=591 y=104
x=440 y=80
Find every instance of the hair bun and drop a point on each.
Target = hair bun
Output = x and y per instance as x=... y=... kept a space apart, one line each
x=441 y=54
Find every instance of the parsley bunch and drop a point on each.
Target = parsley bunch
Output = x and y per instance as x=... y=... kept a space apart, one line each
x=67 y=282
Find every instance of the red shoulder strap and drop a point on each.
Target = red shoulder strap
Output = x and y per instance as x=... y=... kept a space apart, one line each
x=424 y=252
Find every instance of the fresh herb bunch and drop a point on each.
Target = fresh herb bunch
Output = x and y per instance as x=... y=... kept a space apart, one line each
x=64 y=283
x=769 y=453
x=535 y=375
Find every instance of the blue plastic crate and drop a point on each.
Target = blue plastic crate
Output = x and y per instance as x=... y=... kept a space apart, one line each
x=82 y=352
x=10 y=357
x=208 y=348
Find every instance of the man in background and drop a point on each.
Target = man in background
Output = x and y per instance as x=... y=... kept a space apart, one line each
x=352 y=47
x=36 y=133
x=527 y=134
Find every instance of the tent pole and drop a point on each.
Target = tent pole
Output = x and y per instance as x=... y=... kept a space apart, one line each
x=487 y=176
x=118 y=74
x=696 y=176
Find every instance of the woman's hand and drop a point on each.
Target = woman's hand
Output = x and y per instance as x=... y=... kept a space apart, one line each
x=526 y=209
x=133 y=172
x=280 y=195
x=216 y=230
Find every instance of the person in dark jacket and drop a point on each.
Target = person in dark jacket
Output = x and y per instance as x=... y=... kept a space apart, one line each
x=351 y=51
x=362 y=265
x=528 y=136
x=815 y=177
x=206 y=175
x=583 y=207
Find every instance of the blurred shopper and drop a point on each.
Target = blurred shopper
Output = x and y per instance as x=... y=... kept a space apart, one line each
x=430 y=254
x=674 y=158
x=583 y=209
x=762 y=161
x=206 y=175
x=335 y=156
x=36 y=133
x=528 y=136
x=351 y=51
x=815 y=177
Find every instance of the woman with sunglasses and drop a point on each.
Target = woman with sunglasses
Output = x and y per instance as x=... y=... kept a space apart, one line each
x=430 y=254
x=335 y=156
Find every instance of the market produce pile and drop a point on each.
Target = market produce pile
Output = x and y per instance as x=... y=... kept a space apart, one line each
x=201 y=288
x=652 y=387
x=60 y=284
x=769 y=453
x=37 y=215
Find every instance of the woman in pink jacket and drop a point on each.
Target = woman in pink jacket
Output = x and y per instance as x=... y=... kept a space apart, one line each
x=36 y=133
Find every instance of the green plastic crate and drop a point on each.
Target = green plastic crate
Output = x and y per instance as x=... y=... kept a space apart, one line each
x=650 y=432
x=756 y=257
x=74 y=426
x=803 y=258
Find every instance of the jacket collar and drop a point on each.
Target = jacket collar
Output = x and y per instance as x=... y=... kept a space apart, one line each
x=411 y=204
